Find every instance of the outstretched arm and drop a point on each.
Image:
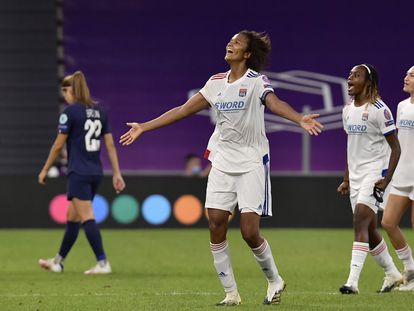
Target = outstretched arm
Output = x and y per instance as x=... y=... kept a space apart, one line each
x=53 y=154
x=117 y=180
x=283 y=109
x=192 y=106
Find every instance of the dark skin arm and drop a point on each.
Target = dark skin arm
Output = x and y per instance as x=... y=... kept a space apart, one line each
x=394 y=144
x=344 y=186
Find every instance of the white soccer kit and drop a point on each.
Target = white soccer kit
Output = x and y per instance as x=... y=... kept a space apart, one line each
x=403 y=179
x=238 y=144
x=368 y=151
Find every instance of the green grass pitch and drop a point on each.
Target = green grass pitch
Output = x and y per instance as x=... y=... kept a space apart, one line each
x=173 y=270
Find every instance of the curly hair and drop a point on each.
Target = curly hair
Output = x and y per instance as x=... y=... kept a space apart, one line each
x=259 y=45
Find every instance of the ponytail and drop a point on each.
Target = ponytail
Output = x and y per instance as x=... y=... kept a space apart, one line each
x=80 y=88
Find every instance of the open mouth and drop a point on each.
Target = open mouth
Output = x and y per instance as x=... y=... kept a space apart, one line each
x=350 y=87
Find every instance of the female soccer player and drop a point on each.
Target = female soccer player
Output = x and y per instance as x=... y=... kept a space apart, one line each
x=371 y=131
x=81 y=126
x=239 y=152
x=402 y=189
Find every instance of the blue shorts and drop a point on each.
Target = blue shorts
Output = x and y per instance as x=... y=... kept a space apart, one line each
x=83 y=187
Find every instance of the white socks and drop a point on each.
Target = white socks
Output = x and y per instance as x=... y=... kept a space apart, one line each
x=264 y=257
x=406 y=256
x=359 y=254
x=384 y=259
x=222 y=263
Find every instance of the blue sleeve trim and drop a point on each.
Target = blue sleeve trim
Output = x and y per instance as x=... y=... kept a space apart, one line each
x=389 y=133
x=263 y=98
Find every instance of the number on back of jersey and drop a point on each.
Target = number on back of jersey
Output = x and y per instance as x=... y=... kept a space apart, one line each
x=92 y=136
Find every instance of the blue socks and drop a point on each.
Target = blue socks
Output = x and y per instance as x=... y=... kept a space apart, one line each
x=94 y=238
x=71 y=234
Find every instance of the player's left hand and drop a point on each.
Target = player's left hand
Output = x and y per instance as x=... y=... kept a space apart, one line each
x=309 y=124
x=130 y=136
x=118 y=183
x=42 y=177
x=382 y=184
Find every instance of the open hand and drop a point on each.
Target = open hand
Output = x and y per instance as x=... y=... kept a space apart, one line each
x=130 y=136
x=309 y=124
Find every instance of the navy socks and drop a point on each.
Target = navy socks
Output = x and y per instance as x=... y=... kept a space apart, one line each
x=94 y=237
x=71 y=234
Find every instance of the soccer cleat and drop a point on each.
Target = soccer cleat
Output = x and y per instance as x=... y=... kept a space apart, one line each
x=390 y=282
x=348 y=289
x=408 y=276
x=99 y=268
x=49 y=264
x=406 y=287
x=231 y=299
x=274 y=292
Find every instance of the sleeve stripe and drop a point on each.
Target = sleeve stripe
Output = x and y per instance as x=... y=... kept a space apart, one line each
x=389 y=133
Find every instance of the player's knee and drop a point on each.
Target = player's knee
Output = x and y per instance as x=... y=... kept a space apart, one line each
x=250 y=236
x=216 y=226
x=388 y=225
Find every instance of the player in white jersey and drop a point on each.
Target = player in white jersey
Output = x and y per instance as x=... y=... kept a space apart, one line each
x=239 y=152
x=370 y=167
x=402 y=188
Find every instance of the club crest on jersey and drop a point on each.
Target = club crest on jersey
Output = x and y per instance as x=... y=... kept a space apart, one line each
x=242 y=92
x=365 y=116
x=387 y=114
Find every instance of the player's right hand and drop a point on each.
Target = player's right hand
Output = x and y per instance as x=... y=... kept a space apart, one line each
x=343 y=188
x=42 y=177
x=130 y=136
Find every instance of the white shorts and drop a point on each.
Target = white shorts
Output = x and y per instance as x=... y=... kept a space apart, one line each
x=251 y=191
x=364 y=195
x=403 y=191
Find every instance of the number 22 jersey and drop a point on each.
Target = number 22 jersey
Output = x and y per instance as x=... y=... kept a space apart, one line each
x=84 y=126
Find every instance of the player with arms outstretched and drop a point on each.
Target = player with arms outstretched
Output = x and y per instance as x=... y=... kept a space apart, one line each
x=239 y=152
x=81 y=126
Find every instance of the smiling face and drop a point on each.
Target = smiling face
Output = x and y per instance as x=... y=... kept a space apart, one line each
x=236 y=49
x=409 y=81
x=357 y=81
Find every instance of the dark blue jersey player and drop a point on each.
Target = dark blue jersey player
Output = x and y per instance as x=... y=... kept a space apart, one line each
x=81 y=127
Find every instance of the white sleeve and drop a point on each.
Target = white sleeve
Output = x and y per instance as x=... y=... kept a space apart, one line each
x=344 y=112
x=263 y=87
x=385 y=120
x=398 y=115
x=207 y=92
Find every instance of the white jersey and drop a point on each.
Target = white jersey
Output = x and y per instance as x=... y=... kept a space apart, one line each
x=368 y=151
x=404 y=173
x=239 y=142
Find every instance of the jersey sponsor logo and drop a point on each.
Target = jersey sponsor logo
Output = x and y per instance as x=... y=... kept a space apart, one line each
x=242 y=92
x=387 y=114
x=230 y=106
x=357 y=128
x=389 y=123
x=408 y=124
x=365 y=116
x=63 y=118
